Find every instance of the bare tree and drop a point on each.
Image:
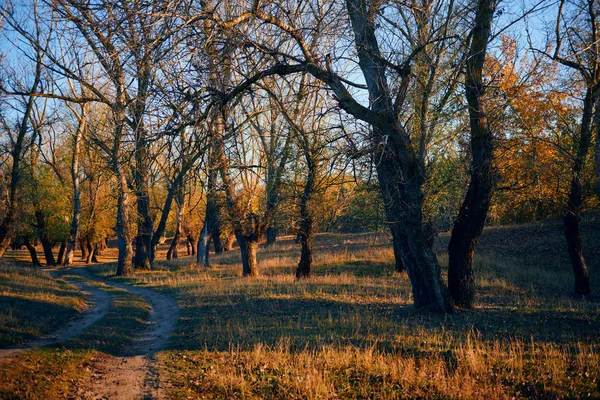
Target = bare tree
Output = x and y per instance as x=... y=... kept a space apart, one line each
x=577 y=47
x=473 y=212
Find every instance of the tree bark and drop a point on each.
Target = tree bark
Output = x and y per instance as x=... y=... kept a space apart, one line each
x=271 y=235
x=7 y=222
x=124 y=237
x=60 y=259
x=202 y=253
x=95 y=253
x=575 y=203
x=248 y=246
x=47 y=246
x=473 y=211
x=74 y=232
x=90 y=252
x=597 y=150
x=173 y=252
x=32 y=252
x=400 y=172
x=399 y=264
x=83 y=248
x=306 y=222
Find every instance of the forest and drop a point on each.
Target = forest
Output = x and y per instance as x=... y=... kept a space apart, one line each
x=299 y=199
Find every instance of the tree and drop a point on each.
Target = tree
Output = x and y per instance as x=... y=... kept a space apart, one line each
x=473 y=211
x=577 y=47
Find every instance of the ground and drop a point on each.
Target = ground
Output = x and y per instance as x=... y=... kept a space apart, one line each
x=350 y=331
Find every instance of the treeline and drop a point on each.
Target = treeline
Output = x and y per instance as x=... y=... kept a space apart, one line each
x=220 y=120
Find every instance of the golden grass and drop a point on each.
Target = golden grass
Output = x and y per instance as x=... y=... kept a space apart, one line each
x=350 y=331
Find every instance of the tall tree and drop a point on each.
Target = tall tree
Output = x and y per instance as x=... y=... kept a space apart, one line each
x=577 y=47
x=473 y=211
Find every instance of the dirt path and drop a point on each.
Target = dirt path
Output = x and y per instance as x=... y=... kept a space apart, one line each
x=100 y=303
x=134 y=375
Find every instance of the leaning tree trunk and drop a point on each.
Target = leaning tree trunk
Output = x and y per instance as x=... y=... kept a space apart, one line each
x=32 y=252
x=248 y=246
x=473 y=211
x=403 y=208
x=60 y=258
x=47 y=246
x=400 y=171
x=575 y=202
x=90 y=252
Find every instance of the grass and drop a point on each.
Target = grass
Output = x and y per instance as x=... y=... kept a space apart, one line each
x=33 y=304
x=350 y=331
x=62 y=371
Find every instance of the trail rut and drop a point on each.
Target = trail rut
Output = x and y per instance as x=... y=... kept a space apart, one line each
x=135 y=375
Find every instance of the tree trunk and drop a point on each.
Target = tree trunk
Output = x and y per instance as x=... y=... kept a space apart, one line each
x=575 y=202
x=47 y=246
x=90 y=252
x=74 y=232
x=403 y=207
x=400 y=171
x=17 y=152
x=202 y=254
x=306 y=257
x=597 y=151
x=229 y=243
x=32 y=252
x=473 y=211
x=95 y=253
x=191 y=245
x=143 y=242
x=306 y=221
x=60 y=259
x=248 y=246
x=399 y=264
x=124 y=237
x=271 y=235
x=213 y=212
x=83 y=248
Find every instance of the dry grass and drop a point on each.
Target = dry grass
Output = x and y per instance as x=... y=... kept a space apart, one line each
x=33 y=304
x=351 y=331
